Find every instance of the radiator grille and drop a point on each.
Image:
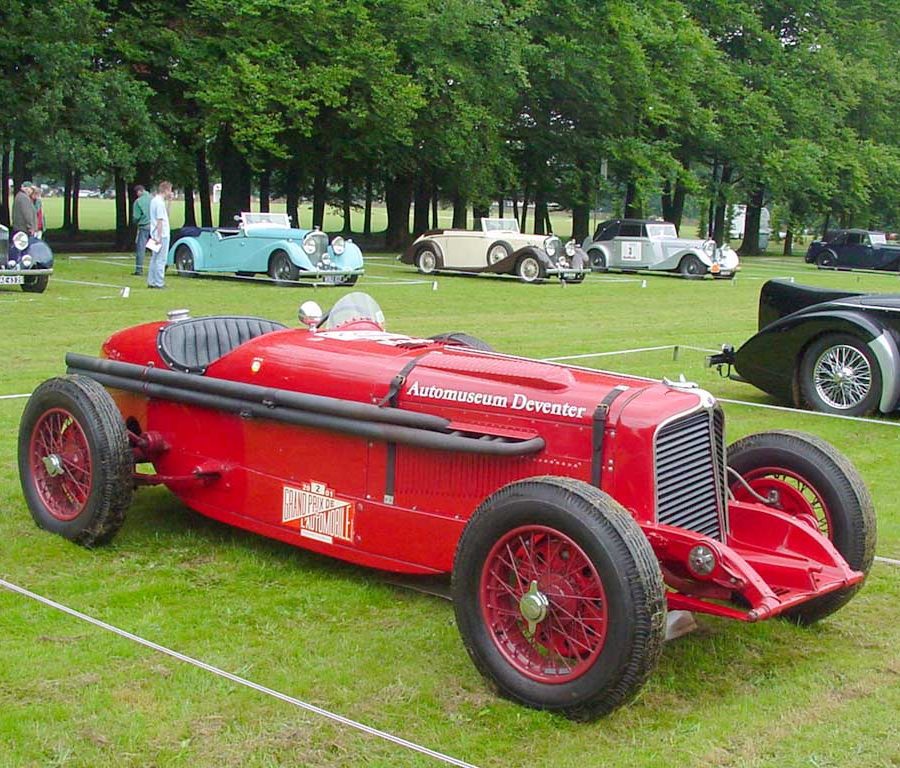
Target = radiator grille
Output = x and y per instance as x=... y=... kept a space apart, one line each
x=690 y=473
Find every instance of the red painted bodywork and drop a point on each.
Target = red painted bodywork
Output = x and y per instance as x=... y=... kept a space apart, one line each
x=246 y=471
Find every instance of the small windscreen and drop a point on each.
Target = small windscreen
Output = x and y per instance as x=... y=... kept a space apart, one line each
x=499 y=225
x=351 y=308
x=249 y=219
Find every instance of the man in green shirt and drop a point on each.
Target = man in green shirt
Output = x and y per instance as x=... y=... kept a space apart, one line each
x=140 y=215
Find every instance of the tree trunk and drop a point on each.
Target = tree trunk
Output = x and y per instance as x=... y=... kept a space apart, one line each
x=632 y=208
x=76 y=187
x=123 y=239
x=367 y=212
x=397 y=198
x=320 y=191
x=206 y=219
x=515 y=202
x=20 y=165
x=67 y=202
x=524 y=220
x=435 y=199
x=236 y=182
x=581 y=215
x=292 y=193
x=347 y=205
x=540 y=214
x=4 y=191
x=265 y=190
x=673 y=197
x=750 y=245
x=718 y=230
x=190 y=215
x=460 y=214
x=788 y=243
x=825 y=225
x=500 y=207
x=479 y=212
x=421 y=207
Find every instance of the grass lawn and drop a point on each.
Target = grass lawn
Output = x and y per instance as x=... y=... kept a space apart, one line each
x=729 y=694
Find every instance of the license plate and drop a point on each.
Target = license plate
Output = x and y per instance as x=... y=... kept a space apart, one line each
x=570 y=275
x=332 y=278
x=12 y=279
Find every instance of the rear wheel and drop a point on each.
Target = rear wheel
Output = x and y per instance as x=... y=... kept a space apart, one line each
x=597 y=260
x=497 y=252
x=184 y=261
x=282 y=268
x=36 y=284
x=558 y=597
x=691 y=267
x=529 y=269
x=75 y=464
x=839 y=374
x=809 y=479
x=426 y=260
x=826 y=260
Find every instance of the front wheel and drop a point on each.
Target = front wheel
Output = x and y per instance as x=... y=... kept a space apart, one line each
x=529 y=269
x=691 y=267
x=426 y=261
x=558 y=597
x=36 y=284
x=282 y=268
x=810 y=480
x=839 y=374
x=75 y=464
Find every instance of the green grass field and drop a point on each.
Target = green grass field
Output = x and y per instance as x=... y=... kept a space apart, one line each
x=341 y=637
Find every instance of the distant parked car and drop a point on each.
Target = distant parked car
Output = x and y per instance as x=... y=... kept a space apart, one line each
x=499 y=247
x=26 y=261
x=266 y=243
x=854 y=249
x=642 y=244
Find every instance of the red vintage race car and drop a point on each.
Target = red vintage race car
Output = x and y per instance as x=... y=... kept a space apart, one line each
x=571 y=506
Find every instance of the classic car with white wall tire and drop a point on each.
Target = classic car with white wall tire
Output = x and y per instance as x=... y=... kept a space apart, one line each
x=645 y=244
x=265 y=243
x=500 y=248
x=25 y=260
x=828 y=350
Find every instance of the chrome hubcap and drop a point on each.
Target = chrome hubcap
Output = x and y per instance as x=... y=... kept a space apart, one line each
x=426 y=261
x=533 y=606
x=497 y=254
x=53 y=464
x=530 y=269
x=843 y=376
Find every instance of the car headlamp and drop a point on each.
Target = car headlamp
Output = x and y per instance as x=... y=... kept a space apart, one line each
x=309 y=245
x=11 y=264
x=550 y=246
x=338 y=245
x=709 y=247
x=570 y=248
x=20 y=240
x=562 y=262
x=26 y=260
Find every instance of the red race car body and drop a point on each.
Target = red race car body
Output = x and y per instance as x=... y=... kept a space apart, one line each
x=430 y=456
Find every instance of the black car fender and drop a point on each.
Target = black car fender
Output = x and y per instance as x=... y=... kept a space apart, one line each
x=409 y=255
x=508 y=265
x=771 y=359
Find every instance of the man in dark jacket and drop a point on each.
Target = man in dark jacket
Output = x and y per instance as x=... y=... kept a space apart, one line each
x=140 y=215
x=24 y=218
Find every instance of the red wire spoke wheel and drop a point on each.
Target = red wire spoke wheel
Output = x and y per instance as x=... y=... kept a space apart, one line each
x=558 y=597
x=75 y=464
x=812 y=481
x=544 y=603
x=61 y=464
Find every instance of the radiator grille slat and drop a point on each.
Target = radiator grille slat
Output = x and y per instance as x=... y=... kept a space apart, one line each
x=689 y=473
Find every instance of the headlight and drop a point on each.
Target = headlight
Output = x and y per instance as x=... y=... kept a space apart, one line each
x=570 y=248
x=309 y=245
x=338 y=245
x=27 y=260
x=20 y=240
x=550 y=246
x=562 y=262
x=11 y=264
x=701 y=560
x=709 y=247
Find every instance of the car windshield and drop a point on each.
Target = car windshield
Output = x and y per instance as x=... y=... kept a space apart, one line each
x=661 y=230
x=250 y=219
x=877 y=238
x=351 y=308
x=499 y=225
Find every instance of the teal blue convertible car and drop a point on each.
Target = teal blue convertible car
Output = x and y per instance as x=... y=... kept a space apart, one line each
x=266 y=243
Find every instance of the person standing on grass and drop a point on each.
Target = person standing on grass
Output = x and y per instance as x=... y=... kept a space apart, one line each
x=23 y=217
x=38 y=211
x=140 y=215
x=159 y=233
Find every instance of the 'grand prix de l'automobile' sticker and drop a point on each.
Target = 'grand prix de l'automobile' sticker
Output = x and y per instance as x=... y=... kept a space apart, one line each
x=317 y=514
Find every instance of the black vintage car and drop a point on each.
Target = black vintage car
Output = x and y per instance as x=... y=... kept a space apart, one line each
x=832 y=351
x=854 y=249
x=25 y=260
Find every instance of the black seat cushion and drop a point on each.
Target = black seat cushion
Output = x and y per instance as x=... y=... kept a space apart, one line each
x=191 y=345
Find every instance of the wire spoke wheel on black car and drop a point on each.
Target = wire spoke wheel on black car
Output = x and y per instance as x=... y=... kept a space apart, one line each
x=184 y=261
x=35 y=283
x=282 y=268
x=809 y=479
x=691 y=267
x=75 y=464
x=558 y=597
x=529 y=269
x=426 y=261
x=839 y=374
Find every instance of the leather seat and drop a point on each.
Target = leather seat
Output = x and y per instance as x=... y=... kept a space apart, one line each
x=192 y=345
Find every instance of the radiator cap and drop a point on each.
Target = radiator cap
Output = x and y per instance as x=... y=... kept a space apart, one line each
x=174 y=315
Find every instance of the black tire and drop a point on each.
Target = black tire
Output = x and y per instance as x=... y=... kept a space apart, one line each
x=597 y=260
x=842 y=505
x=497 y=252
x=461 y=339
x=350 y=280
x=691 y=267
x=184 y=261
x=826 y=259
x=281 y=267
x=79 y=418
x=36 y=283
x=840 y=374
x=529 y=269
x=575 y=280
x=427 y=260
x=612 y=550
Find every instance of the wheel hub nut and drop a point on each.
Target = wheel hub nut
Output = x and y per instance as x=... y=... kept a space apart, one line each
x=53 y=464
x=533 y=606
